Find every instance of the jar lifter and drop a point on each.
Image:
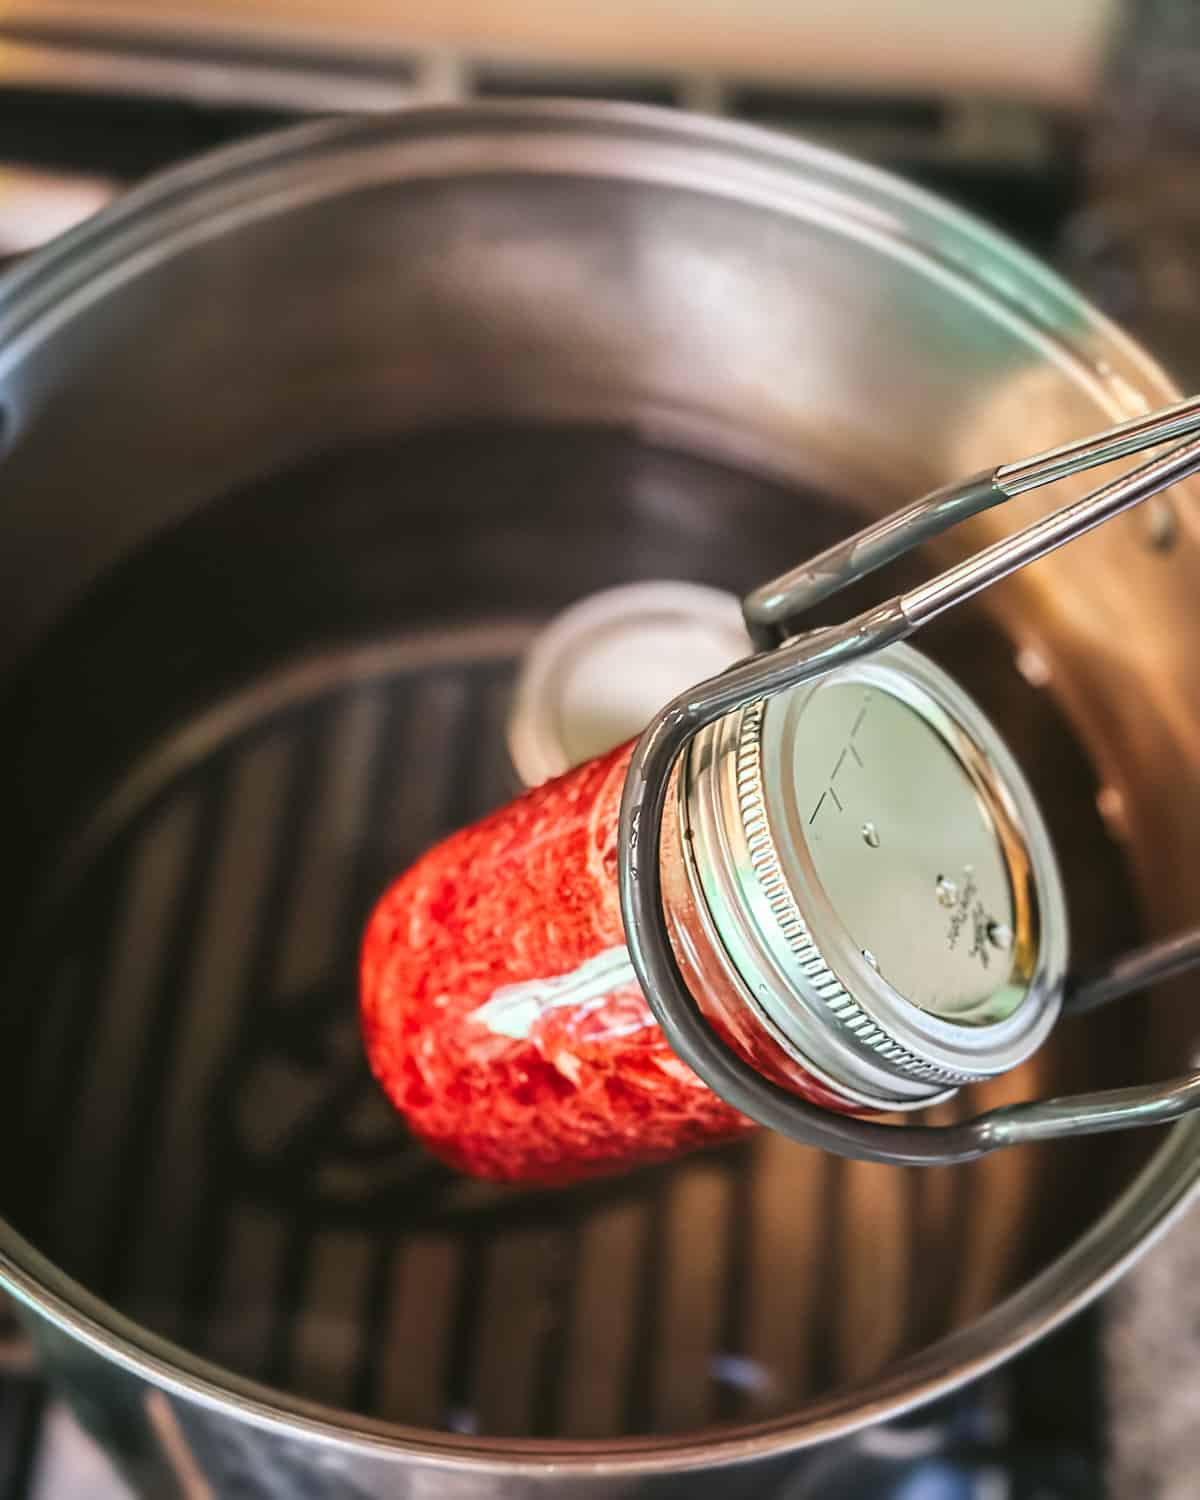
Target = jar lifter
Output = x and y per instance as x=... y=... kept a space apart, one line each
x=788 y=660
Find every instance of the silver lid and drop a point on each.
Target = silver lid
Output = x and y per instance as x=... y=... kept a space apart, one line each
x=879 y=875
x=599 y=672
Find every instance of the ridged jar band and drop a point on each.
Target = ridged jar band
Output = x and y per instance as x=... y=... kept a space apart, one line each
x=811 y=985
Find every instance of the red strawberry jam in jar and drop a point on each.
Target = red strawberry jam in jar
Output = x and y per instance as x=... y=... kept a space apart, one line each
x=859 y=890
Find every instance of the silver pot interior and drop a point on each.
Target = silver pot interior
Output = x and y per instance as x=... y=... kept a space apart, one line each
x=302 y=447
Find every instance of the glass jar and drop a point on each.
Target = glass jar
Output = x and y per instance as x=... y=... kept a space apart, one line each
x=857 y=885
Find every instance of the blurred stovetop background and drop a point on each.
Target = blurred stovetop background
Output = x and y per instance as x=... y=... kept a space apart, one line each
x=987 y=109
x=1073 y=124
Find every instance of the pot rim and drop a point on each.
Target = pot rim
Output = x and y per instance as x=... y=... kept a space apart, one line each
x=229 y=188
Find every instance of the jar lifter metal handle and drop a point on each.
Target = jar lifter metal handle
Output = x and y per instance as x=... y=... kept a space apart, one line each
x=785 y=661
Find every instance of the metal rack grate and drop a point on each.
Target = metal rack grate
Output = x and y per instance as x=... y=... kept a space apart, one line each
x=298 y=1152
x=251 y=1193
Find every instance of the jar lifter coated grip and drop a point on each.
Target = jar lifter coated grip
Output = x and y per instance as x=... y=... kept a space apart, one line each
x=786 y=660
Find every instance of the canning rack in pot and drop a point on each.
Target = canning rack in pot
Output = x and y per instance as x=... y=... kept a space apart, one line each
x=787 y=660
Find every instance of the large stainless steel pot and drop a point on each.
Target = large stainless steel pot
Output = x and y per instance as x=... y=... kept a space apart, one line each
x=749 y=321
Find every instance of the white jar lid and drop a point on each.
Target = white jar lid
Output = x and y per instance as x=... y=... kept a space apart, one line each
x=599 y=672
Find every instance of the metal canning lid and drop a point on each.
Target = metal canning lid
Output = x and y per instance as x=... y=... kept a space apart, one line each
x=881 y=879
x=598 y=673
